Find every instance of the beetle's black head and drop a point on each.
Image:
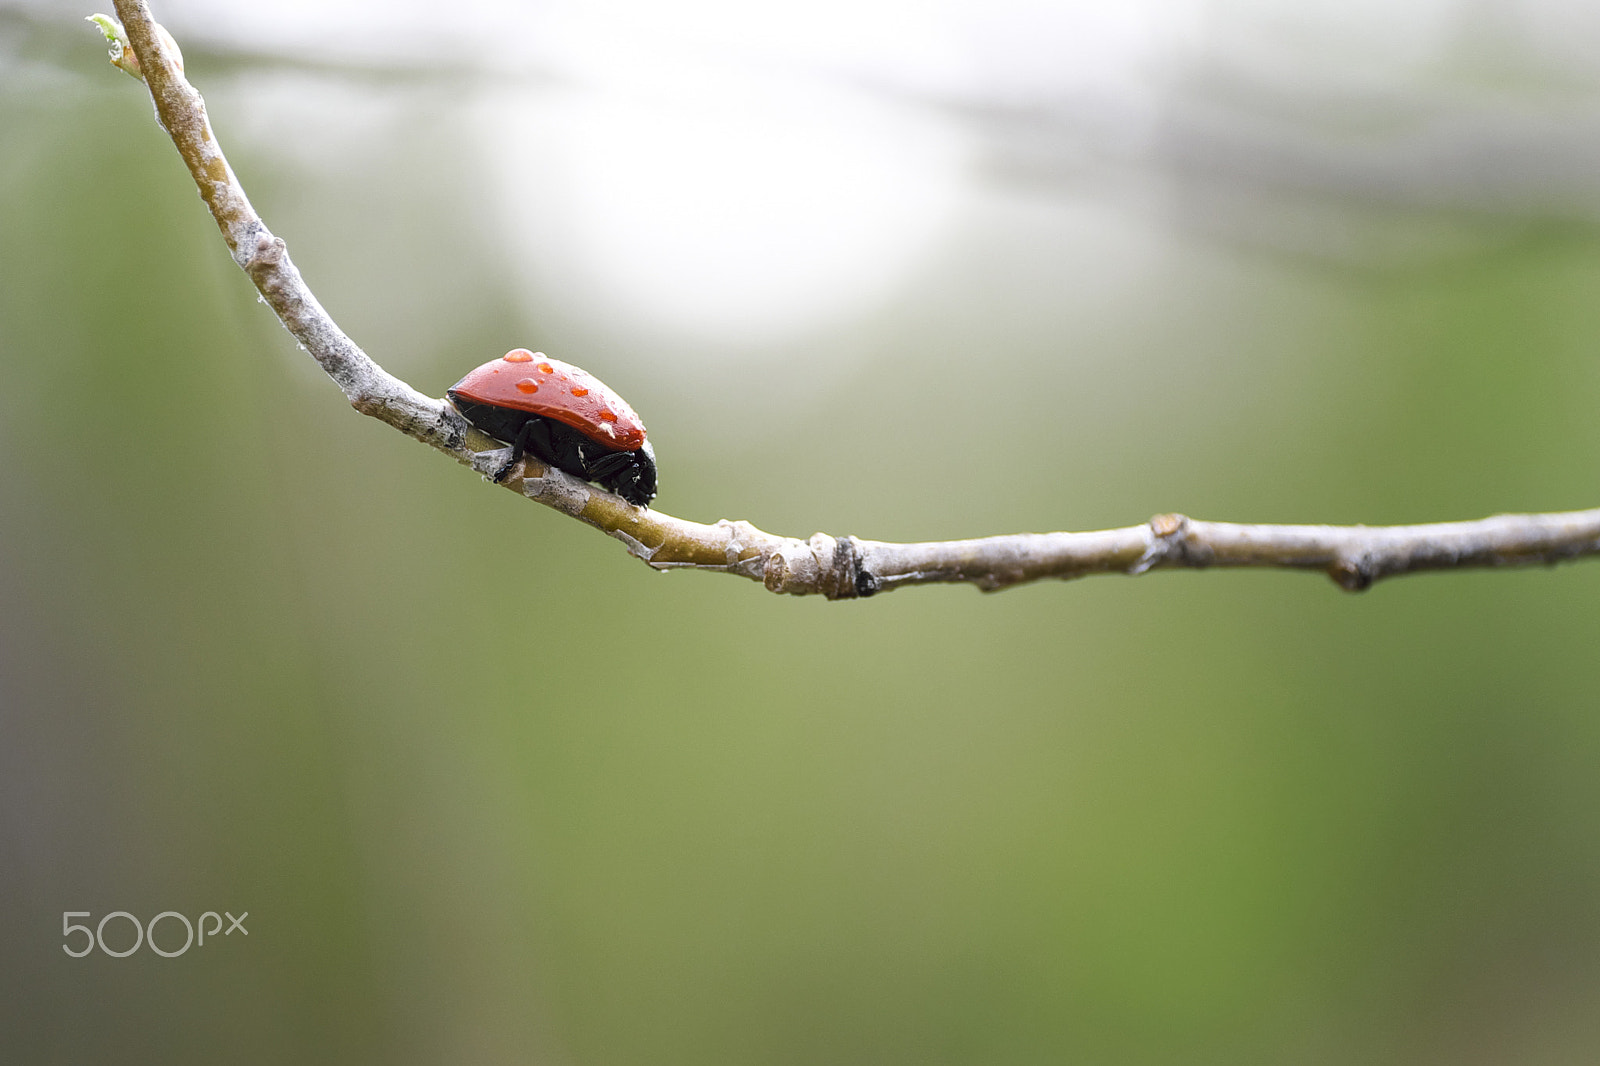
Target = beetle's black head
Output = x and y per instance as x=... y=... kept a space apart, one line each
x=637 y=482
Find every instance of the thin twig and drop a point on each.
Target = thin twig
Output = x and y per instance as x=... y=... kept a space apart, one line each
x=836 y=567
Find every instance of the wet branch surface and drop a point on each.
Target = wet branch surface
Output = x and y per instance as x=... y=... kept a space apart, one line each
x=836 y=567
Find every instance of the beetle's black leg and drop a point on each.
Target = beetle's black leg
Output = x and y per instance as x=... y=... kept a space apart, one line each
x=619 y=472
x=631 y=475
x=610 y=463
x=557 y=445
x=519 y=447
x=537 y=437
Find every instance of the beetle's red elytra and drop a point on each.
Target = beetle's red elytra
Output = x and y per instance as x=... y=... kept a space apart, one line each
x=557 y=390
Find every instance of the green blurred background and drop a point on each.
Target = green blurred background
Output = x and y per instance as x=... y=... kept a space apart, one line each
x=492 y=791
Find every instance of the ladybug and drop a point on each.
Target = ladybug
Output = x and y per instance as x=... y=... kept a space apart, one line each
x=564 y=416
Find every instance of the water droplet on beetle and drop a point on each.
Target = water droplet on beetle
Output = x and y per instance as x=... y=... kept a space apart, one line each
x=607 y=415
x=518 y=355
x=527 y=385
x=546 y=368
x=580 y=392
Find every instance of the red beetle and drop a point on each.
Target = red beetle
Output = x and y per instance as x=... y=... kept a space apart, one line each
x=564 y=416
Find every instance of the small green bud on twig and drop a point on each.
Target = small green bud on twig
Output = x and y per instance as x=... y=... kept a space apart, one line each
x=122 y=56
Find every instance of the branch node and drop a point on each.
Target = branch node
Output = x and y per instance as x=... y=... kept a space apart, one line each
x=637 y=548
x=122 y=55
x=1353 y=573
x=854 y=579
x=792 y=567
x=1168 y=525
x=266 y=256
x=850 y=575
x=1168 y=539
x=553 y=488
x=821 y=564
x=736 y=529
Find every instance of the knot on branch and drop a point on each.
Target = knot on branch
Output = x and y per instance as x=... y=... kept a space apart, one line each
x=1170 y=542
x=262 y=259
x=549 y=485
x=829 y=565
x=1354 y=573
